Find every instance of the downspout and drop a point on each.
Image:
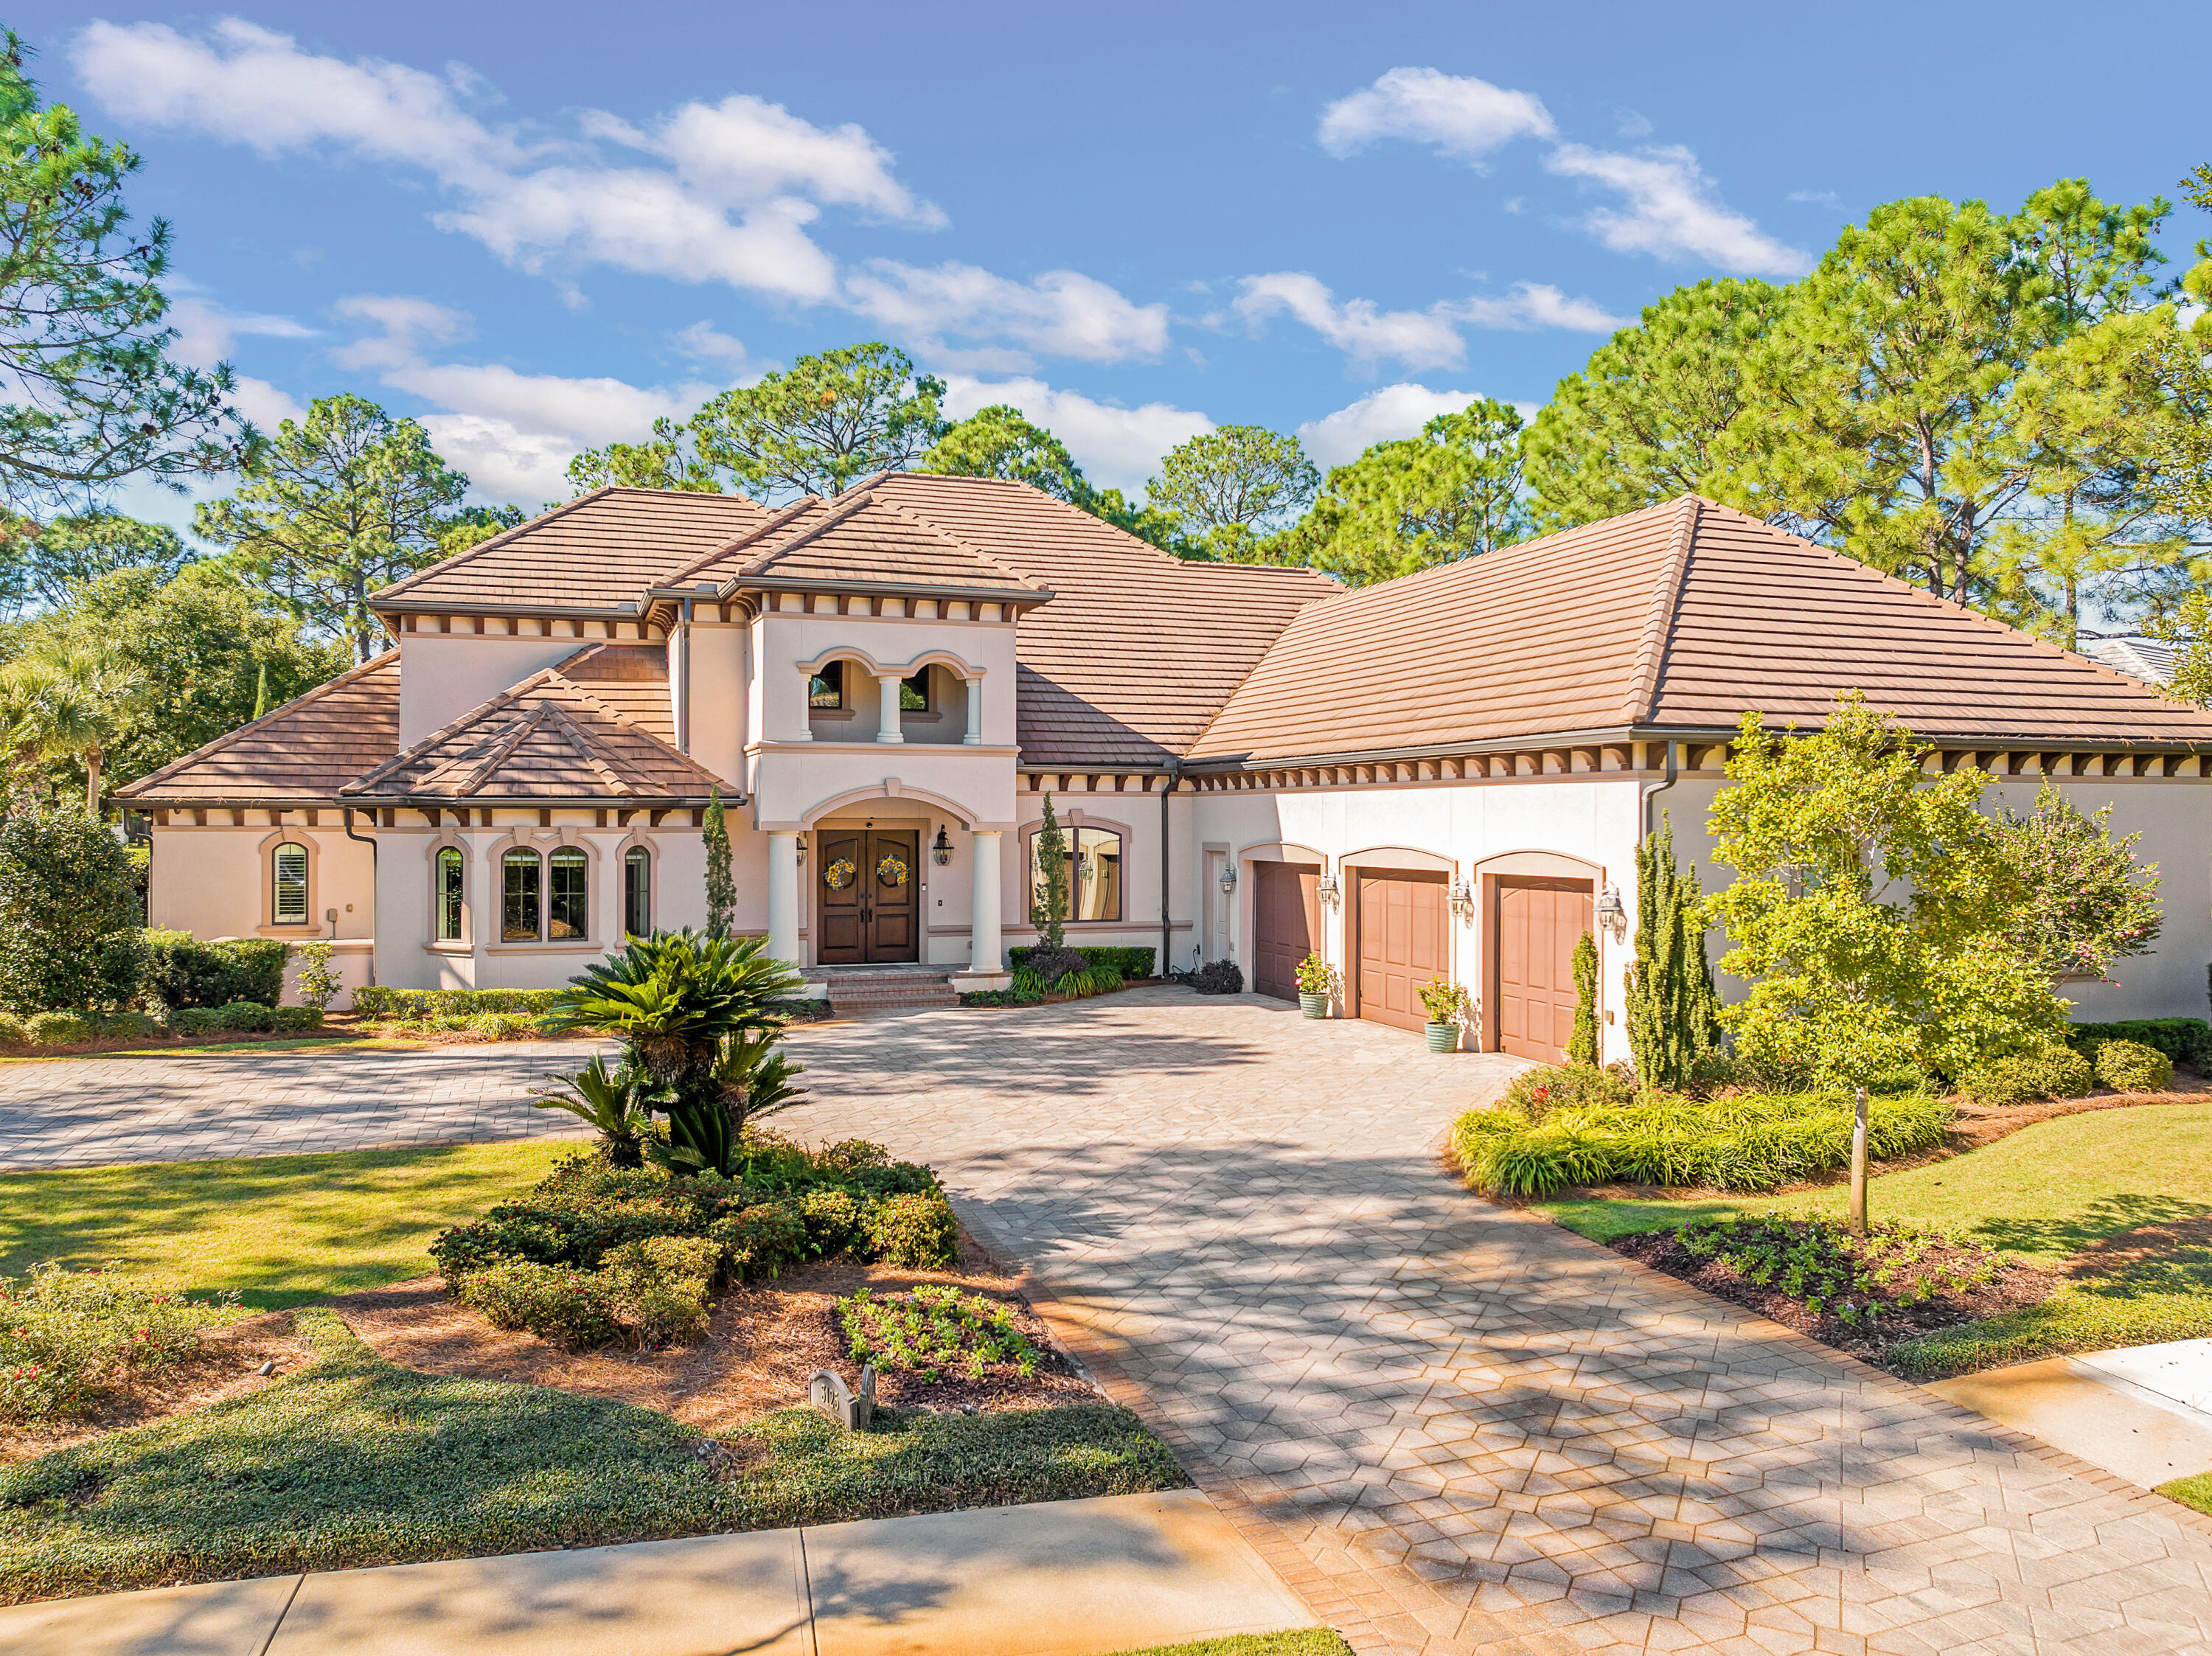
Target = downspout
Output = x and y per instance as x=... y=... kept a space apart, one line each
x=1174 y=775
x=365 y=840
x=683 y=685
x=1653 y=790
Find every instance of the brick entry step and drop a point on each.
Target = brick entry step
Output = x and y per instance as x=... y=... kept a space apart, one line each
x=858 y=990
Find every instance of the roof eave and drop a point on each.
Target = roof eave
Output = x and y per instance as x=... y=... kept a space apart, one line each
x=433 y=607
x=1024 y=594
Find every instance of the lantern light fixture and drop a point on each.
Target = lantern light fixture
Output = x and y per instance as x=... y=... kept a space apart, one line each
x=1463 y=901
x=1228 y=878
x=940 y=849
x=1326 y=889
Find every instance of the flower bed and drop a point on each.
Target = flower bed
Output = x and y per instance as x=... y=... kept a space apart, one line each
x=70 y=1340
x=934 y=1331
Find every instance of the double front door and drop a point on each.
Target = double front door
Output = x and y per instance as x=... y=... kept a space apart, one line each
x=867 y=896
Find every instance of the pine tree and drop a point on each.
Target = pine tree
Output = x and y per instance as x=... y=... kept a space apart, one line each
x=1048 y=902
x=721 y=889
x=1582 y=1044
x=1674 y=1012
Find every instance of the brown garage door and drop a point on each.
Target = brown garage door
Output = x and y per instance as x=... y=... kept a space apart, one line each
x=1403 y=944
x=1286 y=924
x=1534 y=926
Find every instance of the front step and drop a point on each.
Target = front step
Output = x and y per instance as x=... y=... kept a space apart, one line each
x=899 y=991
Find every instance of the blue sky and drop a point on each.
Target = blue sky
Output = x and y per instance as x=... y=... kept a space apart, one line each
x=538 y=227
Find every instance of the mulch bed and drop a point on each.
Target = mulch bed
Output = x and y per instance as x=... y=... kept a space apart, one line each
x=765 y=1341
x=2013 y=1286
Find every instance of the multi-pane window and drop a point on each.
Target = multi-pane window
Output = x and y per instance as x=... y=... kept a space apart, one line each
x=287 y=877
x=637 y=892
x=827 y=688
x=1092 y=871
x=914 y=692
x=567 y=919
x=450 y=888
x=519 y=905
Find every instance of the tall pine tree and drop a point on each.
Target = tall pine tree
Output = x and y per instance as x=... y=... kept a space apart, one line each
x=1674 y=1011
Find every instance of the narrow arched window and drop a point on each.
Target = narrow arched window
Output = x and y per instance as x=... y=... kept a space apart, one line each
x=567 y=916
x=519 y=908
x=288 y=892
x=1095 y=893
x=637 y=892
x=449 y=893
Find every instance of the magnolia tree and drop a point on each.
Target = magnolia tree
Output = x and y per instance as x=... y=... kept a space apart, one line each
x=1873 y=910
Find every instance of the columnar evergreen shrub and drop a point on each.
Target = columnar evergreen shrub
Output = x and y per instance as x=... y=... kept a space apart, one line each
x=1581 y=1043
x=1674 y=1012
x=721 y=886
x=69 y=920
x=1048 y=901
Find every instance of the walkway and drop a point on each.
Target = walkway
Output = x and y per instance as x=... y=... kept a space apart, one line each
x=192 y=1106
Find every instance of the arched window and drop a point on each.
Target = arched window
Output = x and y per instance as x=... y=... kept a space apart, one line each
x=826 y=689
x=288 y=891
x=1093 y=873
x=519 y=909
x=637 y=892
x=568 y=914
x=450 y=889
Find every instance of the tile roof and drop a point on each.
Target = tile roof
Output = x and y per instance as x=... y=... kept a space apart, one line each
x=600 y=551
x=1678 y=616
x=307 y=748
x=1138 y=649
x=560 y=734
x=861 y=536
x=2150 y=659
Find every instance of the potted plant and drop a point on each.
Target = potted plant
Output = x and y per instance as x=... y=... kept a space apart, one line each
x=1446 y=1003
x=1316 y=983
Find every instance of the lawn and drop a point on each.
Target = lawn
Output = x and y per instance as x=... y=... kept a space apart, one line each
x=2045 y=1194
x=1305 y=1641
x=357 y=1461
x=281 y=1229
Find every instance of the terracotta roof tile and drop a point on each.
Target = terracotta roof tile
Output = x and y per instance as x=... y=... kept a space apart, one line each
x=307 y=748
x=861 y=536
x=600 y=551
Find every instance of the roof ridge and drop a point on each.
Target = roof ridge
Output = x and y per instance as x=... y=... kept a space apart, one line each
x=1658 y=620
x=839 y=509
x=502 y=749
x=774 y=520
x=582 y=740
x=383 y=657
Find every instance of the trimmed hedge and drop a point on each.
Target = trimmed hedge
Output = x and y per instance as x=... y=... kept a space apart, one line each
x=2185 y=1040
x=2050 y=1072
x=1130 y=962
x=181 y=971
x=378 y=1004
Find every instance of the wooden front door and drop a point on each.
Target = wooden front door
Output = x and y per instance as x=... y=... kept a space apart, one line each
x=868 y=901
x=1286 y=924
x=1534 y=923
x=1404 y=942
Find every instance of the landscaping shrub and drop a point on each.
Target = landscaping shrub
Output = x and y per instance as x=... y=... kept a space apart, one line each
x=378 y=1004
x=2185 y=1040
x=296 y=1019
x=1536 y=1093
x=933 y=1330
x=58 y=1028
x=1218 y=978
x=127 y=1025
x=1856 y=1282
x=1751 y=1142
x=832 y=1219
x=1051 y=965
x=2047 y=1072
x=12 y=1032
x=2129 y=1066
x=69 y=1337
x=849 y=1155
x=246 y=1015
x=182 y=971
x=503 y=1026
x=760 y=1240
x=560 y=1304
x=660 y=1286
x=1129 y=963
x=195 y=1020
x=916 y=1231
x=71 y=920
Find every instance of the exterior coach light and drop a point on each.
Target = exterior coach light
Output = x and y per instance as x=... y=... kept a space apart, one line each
x=1228 y=878
x=940 y=849
x=1462 y=902
x=1610 y=913
x=1326 y=889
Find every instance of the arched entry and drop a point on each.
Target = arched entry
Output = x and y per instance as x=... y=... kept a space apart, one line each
x=1535 y=920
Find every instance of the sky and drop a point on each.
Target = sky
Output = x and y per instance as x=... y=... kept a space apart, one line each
x=538 y=227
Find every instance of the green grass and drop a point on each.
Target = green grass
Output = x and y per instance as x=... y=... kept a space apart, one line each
x=357 y=1461
x=2044 y=1195
x=294 y=1044
x=281 y=1229
x=2191 y=1492
x=1305 y=1641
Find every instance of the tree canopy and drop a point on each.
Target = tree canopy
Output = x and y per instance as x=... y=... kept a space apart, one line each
x=40 y=563
x=1453 y=492
x=1227 y=489
x=1001 y=441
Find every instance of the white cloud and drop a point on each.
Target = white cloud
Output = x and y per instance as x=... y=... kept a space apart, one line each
x=1060 y=313
x=1419 y=339
x=1463 y=117
x=726 y=192
x=1384 y=413
x=206 y=332
x=1815 y=198
x=1671 y=211
x=1116 y=447
x=703 y=342
x=1538 y=305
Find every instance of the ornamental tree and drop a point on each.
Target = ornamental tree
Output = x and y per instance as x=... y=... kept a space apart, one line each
x=2086 y=902
x=1673 y=1014
x=1874 y=907
x=1048 y=900
x=70 y=914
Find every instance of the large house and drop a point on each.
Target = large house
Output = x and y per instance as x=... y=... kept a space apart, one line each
x=1444 y=775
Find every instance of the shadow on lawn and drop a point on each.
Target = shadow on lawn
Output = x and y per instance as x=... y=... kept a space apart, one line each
x=2114 y=1238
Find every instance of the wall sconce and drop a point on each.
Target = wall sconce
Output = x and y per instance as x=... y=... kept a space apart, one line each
x=1228 y=878
x=1610 y=913
x=1463 y=901
x=1326 y=889
x=800 y=850
x=940 y=849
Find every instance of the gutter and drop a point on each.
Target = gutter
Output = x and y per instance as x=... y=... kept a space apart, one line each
x=683 y=687
x=1167 y=925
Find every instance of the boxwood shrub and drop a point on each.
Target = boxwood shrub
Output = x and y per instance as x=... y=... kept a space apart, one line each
x=58 y=1028
x=2048 y=1072
x=378 y=1004
x=181 y=971
x=1129 y=963
x=2129 y=1066
x=2185 y=1040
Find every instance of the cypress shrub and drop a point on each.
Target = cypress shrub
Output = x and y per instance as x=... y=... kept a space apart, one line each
x=1582 y=1044
x=1674 y=1012
x=69 y=920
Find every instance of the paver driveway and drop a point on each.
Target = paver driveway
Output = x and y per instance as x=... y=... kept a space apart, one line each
x=1452 y=1427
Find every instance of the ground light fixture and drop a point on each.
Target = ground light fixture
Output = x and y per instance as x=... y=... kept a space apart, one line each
x=940 y=849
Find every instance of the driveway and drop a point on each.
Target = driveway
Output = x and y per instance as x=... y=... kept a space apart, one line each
x=1450 y=1427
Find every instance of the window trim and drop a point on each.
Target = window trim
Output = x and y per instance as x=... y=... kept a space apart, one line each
x=466 y=942
x=639 y=848
x=1071 y=825
x=568 y=855
x=821 y=672
x=541 y=843
x=265 y=856
x=277 y=916
x=515 y=856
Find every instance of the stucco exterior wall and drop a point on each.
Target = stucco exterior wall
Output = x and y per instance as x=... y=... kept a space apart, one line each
x=215 y=882
x=445 y=675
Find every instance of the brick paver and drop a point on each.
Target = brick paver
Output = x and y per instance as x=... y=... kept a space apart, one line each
x=191 y=1107
x=1451 y=1427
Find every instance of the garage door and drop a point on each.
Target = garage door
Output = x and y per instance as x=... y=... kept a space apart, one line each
x=1403 y=944
x=1286 y=924
x=1535 y=925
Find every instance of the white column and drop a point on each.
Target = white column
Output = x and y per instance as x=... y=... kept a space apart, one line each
x=983 y=955
x=805 y=731
x=975 y=737
x=887 y=711
x=783 y=897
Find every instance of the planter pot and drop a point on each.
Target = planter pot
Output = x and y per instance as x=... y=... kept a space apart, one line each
x=1443 y=1037
x=1313 y=1006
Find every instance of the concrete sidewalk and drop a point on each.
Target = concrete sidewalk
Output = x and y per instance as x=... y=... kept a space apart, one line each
x=1063 y=1578
x=2143 y=1412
